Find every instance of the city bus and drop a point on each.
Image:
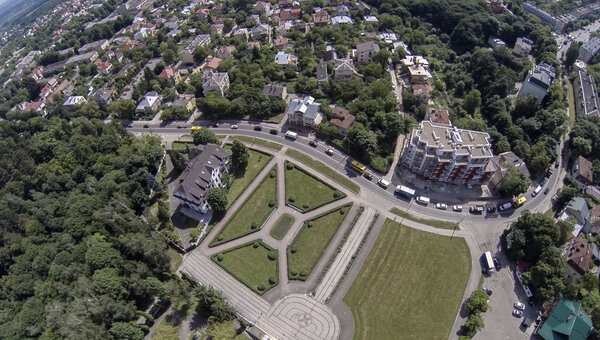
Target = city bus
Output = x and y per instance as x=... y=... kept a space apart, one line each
x=488 y=262
x=358 y=167
x=196 y=128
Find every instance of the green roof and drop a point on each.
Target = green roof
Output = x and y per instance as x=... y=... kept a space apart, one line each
x=568 y=321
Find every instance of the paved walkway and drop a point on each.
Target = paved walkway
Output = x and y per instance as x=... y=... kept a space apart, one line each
x=295 y=316
x=338 y=267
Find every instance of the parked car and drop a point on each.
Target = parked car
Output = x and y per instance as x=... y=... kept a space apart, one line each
x=478 y=209
x=546 y=191
x=487 y=290
x=368 y=176
x=457 y=208
x=517 y=313
x=383 y=183
x=329 y=152
x=441 y=206
x=312 y=143
x=145 y=126
x=543 y=181
x=490 y=209
x=519 y=305
x=258 y=128
x=497 y=263
x=234 y=126
x=215 y=125
x=273 y=131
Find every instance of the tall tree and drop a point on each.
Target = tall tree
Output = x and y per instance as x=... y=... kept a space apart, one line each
x=217 y=199
x=239 y=156
x=204 y=136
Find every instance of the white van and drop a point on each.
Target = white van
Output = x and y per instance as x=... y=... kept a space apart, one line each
x=383 y=183
x=536 y=191
x=423 y=200
x=291 y=135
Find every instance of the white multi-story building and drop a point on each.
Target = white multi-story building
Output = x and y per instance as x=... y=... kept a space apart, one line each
x=448 y=154
x=187 y=54
x=305 y=112
x=204 y=169
x=538 y=82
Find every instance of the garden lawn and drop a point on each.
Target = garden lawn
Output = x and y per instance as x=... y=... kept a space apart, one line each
x=256 y=162
x=255 y=210
x=251 y=265
x=324 y=169
x=181 y=145
x=308 y=192
x=310 y=243
x=282 y=226
x=410 y=286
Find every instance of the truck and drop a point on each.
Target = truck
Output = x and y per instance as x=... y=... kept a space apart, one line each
x=536 y=191
x=291 y=135
x=478 y=209
x=405 y=191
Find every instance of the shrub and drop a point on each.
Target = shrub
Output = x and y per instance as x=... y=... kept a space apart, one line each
x=254 y=226
x=292 y=199
x=309 y=224
x=293 y=272
x=272 y=280
x=289 y=166
x=272 y=173
x=271 y=203
x=303 y=273
x=220 y=257
x=293 y=250
x=342 y=211
x=337 y=194
x=272 y=255
x=220 y=238
x=261 y=287
x=305 y=206
x=255 y=245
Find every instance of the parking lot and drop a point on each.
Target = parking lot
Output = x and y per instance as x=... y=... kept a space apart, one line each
x=499 y=321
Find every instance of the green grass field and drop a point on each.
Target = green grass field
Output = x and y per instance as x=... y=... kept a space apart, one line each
x=433 y=223
x=251 y=265
x=164 y=331
x=324 y=169
x=282 y=226
x=256 y=162
x=257 y=141
x=310 y=243
x=308 y=192
x=410 y=286
x=181 y=145
x=255 y=210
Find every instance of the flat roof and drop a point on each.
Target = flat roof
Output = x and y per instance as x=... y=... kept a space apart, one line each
x=461 y=141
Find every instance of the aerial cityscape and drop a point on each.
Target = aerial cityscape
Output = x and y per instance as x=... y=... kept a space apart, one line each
x=299 y=169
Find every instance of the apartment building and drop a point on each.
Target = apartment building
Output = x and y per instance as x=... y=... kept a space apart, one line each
x=448 y=154
x=586 y=95
x=538 y=82
x=589 y=49
x=187 y=54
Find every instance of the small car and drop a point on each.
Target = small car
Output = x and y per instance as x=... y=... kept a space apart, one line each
x=457 y=208
x=487 y=290
x=441 y=206
x=312 y=143
x=517 y=313
x=543 y=181
x=329 y=152
x=519 y=305
x=490 y=209
x=180 y=126
x=368 y=176
x=497 y=263
x=145 y=126
x=215 y=125
x=546 y=191
x=258 y=128
x=234 y=126
x=273 y=131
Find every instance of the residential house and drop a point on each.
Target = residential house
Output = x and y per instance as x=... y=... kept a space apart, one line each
x=592 y=192
x=538 y=82
x=103 y=96
x=262 y=7
x=149 y=104
x=253 y=19
x=565 y=320
x=131 y=44
x=523 y=47
x=594 y=219
x=242 y=33
x=341 y=119
x=586 y=96
x=341 y=20
x=496 y=42
x=85 y=58
x=212 y=64
x=502 y=163
x=589 y=49
x=583 y=172
x=275 y=91
x=365 y=52
x=74 y=100
x=103 y=67
x=344 y=69
x=438 y=116
x=322 y=75
x=187 y=101
x=225 y=52
x=202 y=13
x=417 y=69
x=286 y=59
x=97 y=46
x=142 y=34
x=37 y=106
x=215 y=82
x=281 y=43
x=216 y=29
x=187 y=54
x=37 y=74
x=170 y=75
x=262 y=32
x=423 y=92
x=206 y=164
x=449 y=154
x=341 y=10
x=580 y=256
x=388 y=37
x=578 y=212
x=305 y=112
x=330 y=54
x=371 y=19
x=321 y=18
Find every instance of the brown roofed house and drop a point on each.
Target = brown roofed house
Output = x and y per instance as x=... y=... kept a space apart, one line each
x=580 y=256
x=438 y=116
x=341 y=119
x=213 y=64
x=170 y=75
x=275 y=91
x=583 y=172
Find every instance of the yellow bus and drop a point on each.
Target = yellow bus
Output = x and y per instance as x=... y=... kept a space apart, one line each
x=358 y=167
x=196 y=128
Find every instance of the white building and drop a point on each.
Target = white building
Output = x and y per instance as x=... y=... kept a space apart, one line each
x=538 y=82
x=187 y=54
x=305 y=112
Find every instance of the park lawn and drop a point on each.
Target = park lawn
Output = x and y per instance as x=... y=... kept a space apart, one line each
x=432 y=223
x=308 y=192
x=258 y=141
x=282 y=226
x=410 y=286
x=251 y=265
x=257 y=160
x=323 y=169
x=255 y=210
x=307 y=248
